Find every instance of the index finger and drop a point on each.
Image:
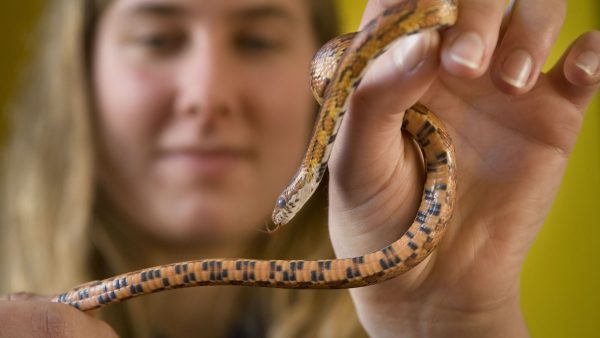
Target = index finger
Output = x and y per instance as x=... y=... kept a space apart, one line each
x=468 y=46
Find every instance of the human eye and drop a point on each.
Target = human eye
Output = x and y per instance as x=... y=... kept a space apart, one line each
x=159 y=43
x=254 y=43
x=156 y=40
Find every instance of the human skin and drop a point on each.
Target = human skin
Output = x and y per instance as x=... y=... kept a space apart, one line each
x=203 y=115
x=27 y=315
x=470 y=286
x=513 y=129
x=204 y=112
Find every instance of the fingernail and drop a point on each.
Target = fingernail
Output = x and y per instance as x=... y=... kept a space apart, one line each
x=516 y=69
x=468 y=50
x=588 y=62
x=409 y=52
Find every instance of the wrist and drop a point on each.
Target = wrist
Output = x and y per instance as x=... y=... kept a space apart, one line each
x=429 y=320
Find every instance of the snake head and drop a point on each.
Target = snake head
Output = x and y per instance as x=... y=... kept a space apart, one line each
x=293 y=197
x=287 y=205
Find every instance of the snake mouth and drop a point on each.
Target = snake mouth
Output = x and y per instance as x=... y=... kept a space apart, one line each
x=282 y=212
x=280 y=217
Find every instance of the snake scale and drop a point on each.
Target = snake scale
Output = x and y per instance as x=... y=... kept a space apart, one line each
x=340 y=81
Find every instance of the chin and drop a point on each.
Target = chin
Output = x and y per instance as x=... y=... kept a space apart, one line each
x=203 y=222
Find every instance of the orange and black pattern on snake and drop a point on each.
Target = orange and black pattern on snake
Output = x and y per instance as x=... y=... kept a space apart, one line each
x=333 y=86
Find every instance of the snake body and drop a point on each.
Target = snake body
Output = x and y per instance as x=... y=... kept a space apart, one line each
x=418 y=242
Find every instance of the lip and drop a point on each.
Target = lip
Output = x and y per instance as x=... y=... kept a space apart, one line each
x=202 y=162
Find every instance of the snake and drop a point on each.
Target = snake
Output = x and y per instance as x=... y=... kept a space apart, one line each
x=336 y=72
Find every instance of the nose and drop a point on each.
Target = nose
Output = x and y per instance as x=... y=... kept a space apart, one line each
x=206 y=80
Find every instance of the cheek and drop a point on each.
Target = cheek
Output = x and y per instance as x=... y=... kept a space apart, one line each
x=131 y=99
x=287 y=112
x=292 y=122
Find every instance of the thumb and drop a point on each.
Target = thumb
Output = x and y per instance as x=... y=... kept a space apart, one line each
x=372 y=162
x=395 y=82
x=28 y=296
x=400 y=76
x=41 y=318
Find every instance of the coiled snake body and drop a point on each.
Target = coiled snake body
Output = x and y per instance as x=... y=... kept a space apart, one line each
x=418 y=242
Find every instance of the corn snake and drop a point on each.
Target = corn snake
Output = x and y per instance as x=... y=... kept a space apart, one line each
x=333 y=87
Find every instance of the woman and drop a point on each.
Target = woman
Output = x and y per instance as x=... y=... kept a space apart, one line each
x=197 y=115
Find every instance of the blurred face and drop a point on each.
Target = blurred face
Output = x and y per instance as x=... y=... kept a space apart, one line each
x=203 y=110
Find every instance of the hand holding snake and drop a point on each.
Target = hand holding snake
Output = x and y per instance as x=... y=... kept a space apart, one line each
x=512 y=145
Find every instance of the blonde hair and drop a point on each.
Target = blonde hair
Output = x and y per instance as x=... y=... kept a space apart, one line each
x=47 y=178
x=50 y=205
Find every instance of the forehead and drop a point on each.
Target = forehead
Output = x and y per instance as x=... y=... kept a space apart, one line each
x=289 y=10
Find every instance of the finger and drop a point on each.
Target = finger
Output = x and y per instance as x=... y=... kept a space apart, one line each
x=411 y=60
x=27 y=296
x=374 y=8
x=469 y=45
x=46 y=319
x=24 y=296
x=530 y=34
x=85 y=324
x=506 y=18
x=576 y=76
x=370 y=143
x=371 y=128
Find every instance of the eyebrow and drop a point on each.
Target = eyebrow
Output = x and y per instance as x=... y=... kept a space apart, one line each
x=250 y=13
x=157 y=9
x=262 y=12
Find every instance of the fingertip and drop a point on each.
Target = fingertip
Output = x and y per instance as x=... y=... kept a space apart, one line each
x=577 y=75
x=464 y=54
x=410 y=52
x=469 y=45
x=411 y=62
x=515 y=72
x=582 y=68
x=408 y=69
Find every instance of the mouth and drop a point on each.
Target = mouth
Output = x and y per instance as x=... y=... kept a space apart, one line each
x=203 y=162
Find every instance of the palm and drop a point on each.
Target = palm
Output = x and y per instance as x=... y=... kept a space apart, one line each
x=505 y=145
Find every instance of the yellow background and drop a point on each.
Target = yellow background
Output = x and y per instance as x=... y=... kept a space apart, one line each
x=561 y=278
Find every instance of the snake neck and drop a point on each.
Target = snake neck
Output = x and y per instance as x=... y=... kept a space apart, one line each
x=359 y=51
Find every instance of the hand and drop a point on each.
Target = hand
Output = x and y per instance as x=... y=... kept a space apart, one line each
x=513 y=134
x=27 y=315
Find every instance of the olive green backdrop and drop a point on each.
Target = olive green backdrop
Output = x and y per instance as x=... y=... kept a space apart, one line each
x=561 y=279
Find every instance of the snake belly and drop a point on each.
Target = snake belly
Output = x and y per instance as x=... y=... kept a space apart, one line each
x=418 y=242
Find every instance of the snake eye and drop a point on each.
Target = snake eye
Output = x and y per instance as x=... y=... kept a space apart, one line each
x=281 y=202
